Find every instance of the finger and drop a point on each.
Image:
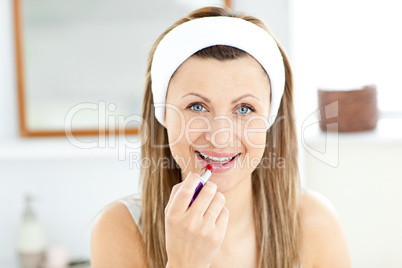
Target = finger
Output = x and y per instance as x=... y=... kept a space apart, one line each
x=222 y=221
x=175 y=188
x=182 y=198
x=215 y=208
x=204 y=199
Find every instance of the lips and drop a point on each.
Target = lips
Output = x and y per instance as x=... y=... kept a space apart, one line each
x=216 y=161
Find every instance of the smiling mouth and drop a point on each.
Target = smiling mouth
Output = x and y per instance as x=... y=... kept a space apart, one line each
x=216 y=161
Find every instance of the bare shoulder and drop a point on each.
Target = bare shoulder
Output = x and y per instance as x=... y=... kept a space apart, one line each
x=323 y=240
x=115 y=239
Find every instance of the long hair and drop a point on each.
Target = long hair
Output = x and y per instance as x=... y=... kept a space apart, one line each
x=275 y=190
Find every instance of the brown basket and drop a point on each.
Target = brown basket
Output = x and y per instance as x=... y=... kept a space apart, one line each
x=356 y=110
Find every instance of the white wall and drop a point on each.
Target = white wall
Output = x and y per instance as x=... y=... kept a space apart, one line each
x=276 y=15
x=8 y=100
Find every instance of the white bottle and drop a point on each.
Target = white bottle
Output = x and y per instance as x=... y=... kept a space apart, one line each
x=31 y=244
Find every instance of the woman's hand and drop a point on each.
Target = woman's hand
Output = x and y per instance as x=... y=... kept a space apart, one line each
x=194 y=234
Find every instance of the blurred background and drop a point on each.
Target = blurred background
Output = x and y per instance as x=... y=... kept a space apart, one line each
x=84 y=61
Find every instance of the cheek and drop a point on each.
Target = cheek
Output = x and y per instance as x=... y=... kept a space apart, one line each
x=174 y=132
x=254 y=135
x=183 y=131
x=179 y=152
x=174 y=122
x=195 y=127
x=184 y=126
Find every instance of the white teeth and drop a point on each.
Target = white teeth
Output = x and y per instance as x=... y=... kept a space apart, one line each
x=220 y=159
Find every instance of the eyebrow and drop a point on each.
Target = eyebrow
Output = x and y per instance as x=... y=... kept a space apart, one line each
x=208 y=100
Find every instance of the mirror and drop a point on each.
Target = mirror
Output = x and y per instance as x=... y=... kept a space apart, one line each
x=81 y=63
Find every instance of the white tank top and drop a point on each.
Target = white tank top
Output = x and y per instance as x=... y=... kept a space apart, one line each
x=133 y=203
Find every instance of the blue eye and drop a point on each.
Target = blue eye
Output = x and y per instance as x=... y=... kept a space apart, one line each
x=244 y=108
x=196 y=107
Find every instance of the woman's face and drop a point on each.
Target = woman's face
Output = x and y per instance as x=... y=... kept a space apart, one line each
x=218 y=109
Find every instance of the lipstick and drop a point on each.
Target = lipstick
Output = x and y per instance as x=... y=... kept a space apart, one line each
x=205 y=174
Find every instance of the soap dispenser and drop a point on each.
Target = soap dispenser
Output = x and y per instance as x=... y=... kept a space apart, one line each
x=31 y=243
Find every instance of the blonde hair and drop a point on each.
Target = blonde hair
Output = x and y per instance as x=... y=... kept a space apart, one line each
x=276 y=191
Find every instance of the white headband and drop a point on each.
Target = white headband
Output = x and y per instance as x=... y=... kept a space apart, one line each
x=189 y=37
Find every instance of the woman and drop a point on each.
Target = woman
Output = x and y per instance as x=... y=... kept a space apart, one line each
x=220 y=87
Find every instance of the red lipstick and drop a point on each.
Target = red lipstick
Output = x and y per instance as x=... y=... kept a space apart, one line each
x=205 y=174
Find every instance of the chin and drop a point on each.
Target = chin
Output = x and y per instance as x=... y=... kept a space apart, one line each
x=225 y=181
x=223 y=186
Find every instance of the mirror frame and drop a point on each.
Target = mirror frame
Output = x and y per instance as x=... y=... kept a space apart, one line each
x=23 y=130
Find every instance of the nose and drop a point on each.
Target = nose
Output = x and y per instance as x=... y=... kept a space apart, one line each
x=222 y=132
